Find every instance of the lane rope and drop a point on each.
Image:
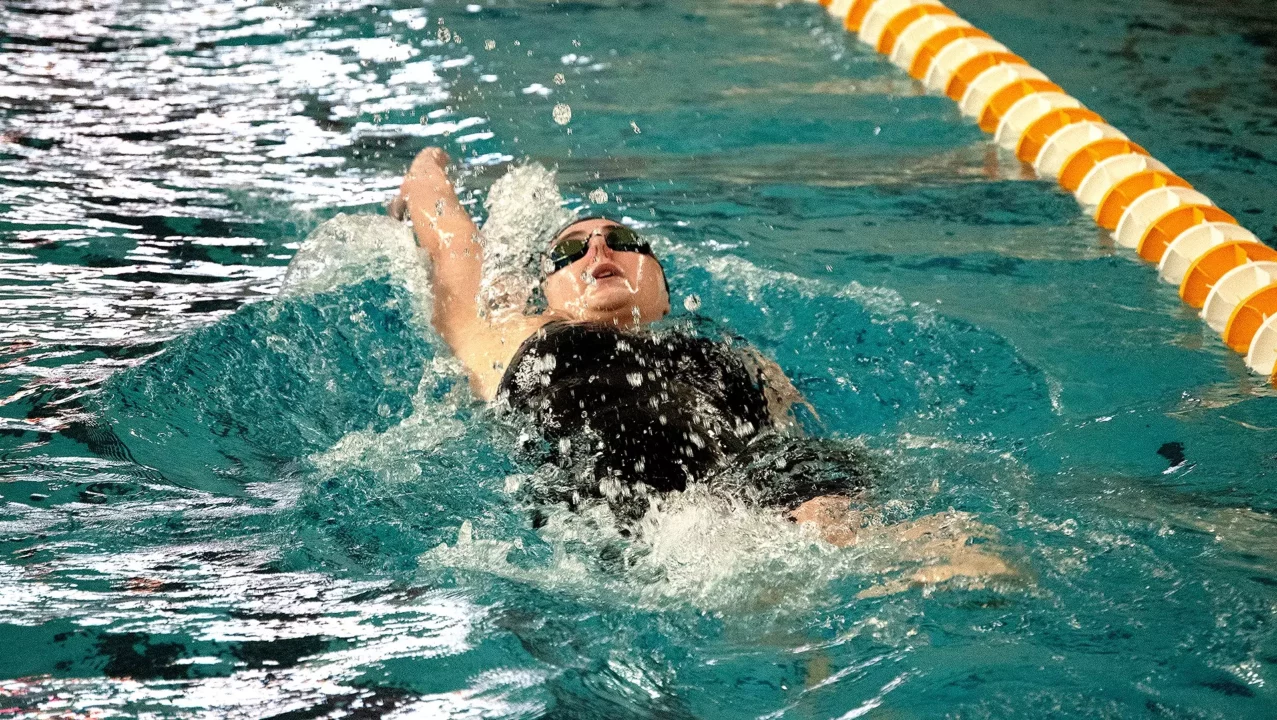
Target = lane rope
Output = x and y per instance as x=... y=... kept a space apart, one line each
x=1219 y=266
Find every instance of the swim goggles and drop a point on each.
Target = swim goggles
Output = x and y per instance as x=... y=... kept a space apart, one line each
x=618 y=238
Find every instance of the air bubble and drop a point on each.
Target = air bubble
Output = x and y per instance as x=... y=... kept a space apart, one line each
x=559 y=79
x=634 y=126
x=692 y=302
x=489 y=44
x=598 y=196
x=562 y=114
x=444 y=34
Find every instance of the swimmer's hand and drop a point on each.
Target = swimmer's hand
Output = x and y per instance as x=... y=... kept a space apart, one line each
x=943 y=544
x=429 y=163
x=835 y=520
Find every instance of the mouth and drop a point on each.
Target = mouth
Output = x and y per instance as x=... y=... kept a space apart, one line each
x=605 y=270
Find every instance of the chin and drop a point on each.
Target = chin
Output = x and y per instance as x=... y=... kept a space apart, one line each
x=622 y=313
x=611 y=300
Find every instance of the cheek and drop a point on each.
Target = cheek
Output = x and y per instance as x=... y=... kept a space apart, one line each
x=648 y=274
x=560 y=288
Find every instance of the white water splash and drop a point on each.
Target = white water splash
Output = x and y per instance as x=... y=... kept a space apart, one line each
x=525 y=208
x=726 y=557
x=394 y=454
x=350 y=249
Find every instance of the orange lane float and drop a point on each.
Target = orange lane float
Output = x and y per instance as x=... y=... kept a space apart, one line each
x=1128 y=190
x=1249 y=315
x=1162 y=232
x=927 y=50
x=1048 y=124
x=971 y=68
x=1210 y=267
x=1234 y=288
x=1028 y=113
x=1219 y=266
x=1082 y=162
x=912 y=38
x=896 y=25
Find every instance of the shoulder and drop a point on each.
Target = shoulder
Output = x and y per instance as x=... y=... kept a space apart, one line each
x=487 y=354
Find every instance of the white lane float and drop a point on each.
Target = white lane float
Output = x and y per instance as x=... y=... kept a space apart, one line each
x=1218 y=265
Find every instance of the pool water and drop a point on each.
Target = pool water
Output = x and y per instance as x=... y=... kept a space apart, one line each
x=232 y=489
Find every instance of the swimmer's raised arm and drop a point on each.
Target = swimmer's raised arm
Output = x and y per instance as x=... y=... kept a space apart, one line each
x=444 y=229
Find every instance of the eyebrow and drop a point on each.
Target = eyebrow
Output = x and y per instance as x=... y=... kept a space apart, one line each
x=571 y=234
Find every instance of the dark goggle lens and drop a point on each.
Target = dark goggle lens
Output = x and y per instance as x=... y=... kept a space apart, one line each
x=566 y=252
x=623 y=239
x=618 y=238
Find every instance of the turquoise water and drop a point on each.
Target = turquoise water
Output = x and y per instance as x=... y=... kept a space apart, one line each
x=231 y=494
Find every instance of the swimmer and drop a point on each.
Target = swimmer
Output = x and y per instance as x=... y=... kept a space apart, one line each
x=642 y=412
x=628 y=412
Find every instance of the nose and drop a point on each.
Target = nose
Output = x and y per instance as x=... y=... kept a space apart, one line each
x=598 y=246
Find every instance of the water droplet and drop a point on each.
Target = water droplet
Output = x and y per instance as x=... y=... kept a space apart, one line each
x=634 y=126
x=559 y=79
x=562 y=114
x=635 y=379
x=692 y=302
x=444 y=34
x=489 y=44
x=877 y=130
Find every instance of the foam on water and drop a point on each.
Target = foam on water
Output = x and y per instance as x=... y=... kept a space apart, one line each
x=524 y=210
x=391 y=452
x=349 y=249
x=737 y=560
x=695 y=548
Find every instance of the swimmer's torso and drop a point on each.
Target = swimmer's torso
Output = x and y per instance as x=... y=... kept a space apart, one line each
x=655 y=408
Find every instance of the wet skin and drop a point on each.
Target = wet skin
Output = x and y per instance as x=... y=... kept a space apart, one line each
x=625 y=288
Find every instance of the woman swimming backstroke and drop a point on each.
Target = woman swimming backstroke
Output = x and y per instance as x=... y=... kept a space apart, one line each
x=591 y=281
x=631 y=411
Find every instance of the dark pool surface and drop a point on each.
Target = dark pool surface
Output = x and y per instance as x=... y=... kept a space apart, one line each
x=228 y=494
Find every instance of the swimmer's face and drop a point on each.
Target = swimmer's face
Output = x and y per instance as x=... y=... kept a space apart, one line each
x=606 y=285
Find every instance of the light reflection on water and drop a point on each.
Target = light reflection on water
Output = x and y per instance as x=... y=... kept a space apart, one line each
x=145 y=143
x=271 y=641
x=170 y=550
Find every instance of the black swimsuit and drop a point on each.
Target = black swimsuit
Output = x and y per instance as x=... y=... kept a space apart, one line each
x=630 y=412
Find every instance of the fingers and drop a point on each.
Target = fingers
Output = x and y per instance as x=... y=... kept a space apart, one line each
x=398 y=208
x=432 y=156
